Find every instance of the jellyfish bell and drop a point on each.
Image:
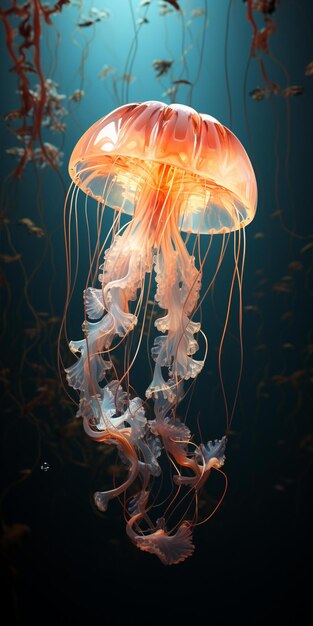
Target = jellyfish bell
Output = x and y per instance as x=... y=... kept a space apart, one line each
x=172 y=170
x=151 y=146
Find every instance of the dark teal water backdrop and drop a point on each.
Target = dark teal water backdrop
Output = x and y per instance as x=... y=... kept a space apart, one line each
x=67 y=563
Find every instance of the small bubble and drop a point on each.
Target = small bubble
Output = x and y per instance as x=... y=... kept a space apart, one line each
x=45 y=467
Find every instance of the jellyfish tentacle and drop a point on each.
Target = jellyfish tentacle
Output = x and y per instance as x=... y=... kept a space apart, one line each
x=132 y=441
x=207 y=457
x=170 y=548
x=176 y=439
x=121 y=275
x=102 y=498
x=99 y=412
x=126 y=441
x=178 y=286
x=136 y=467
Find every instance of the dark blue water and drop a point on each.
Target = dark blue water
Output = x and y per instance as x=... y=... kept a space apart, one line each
x=63 y=561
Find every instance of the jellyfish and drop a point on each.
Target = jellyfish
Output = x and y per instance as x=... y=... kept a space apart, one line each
x=172 y=171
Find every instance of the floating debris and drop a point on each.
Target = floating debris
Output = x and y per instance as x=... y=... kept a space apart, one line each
x=309 y=69
x=259 y=93
x=48 y=154
x=54 y=110
x=54 y=319
x=295 y=266
x=32 y=332
x=77 y=95
x=293 y=90
x=10 y=258
x=11 y=116
x=31 y=227
x=295 y=379
x=174 y=4
x=26 y=66
x=25 y=472
x=277 y=213
x=279 y=487
x=164 y=9
x=16 y=151
x=281 y=287
x=142 y=20
x=181 y=81
x=95 y=15
x=128 y=78
x=106 y=71
x=197 y=12
x=87 y=23
x=170 y=92
x=308 y=246
x=100 y=14
x=298 y=377
x=58 y=127
x=287 y=315
x=24 y=132
x=161 y=66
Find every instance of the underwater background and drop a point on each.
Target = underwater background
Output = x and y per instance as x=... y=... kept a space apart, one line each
x=63 y=561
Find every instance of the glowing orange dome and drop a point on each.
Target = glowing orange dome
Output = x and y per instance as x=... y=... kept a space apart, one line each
x=126 y=150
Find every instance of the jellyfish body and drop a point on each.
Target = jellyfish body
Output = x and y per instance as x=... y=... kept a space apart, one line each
x=172 y=170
